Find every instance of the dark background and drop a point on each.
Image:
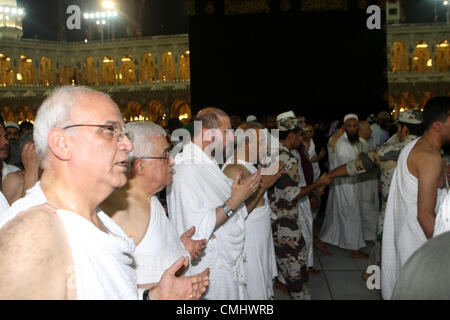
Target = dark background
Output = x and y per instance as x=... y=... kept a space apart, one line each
x=323 y=65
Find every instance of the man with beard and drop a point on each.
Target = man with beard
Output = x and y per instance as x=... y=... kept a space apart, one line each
x=342 y=224
x=202 y=196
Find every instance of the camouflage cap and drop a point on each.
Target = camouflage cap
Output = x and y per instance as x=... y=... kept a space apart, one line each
x=287 y=121
x=410 y=117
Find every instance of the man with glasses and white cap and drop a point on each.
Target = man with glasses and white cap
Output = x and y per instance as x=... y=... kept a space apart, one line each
x=290 y=248
x=342 y=225
x=55 y=243
x=137 y=210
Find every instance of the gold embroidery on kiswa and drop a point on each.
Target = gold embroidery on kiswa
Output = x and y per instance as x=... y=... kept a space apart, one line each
x=191 y=7
x=317 y=5
x=246 y=6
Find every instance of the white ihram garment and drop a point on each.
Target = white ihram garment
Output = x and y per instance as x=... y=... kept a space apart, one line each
x=442 y=222
x=103 y=265
x=261 y=266
x=369 y=200
x=311 y=154
x=305 y=217
x=342 y=225
x=199 y=187
x=4 y=205
x=402 y=233
x=160 y=247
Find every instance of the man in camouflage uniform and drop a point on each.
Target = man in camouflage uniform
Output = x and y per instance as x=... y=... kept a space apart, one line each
x=290 y=249
x=385 y=157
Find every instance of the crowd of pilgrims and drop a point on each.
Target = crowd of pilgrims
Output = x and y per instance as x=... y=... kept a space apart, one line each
x=348 y=183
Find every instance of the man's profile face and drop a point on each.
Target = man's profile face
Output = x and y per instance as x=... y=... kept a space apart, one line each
x=302 y=121
x=4 y=145
x=12 y=134
x=446 y=130
x=159 y=171
x=97 y=154
x=297 y=139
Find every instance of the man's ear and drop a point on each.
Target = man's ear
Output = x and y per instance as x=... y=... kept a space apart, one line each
x=138 y=167
x=60 y=143
x=436 y=126
x=207 y=135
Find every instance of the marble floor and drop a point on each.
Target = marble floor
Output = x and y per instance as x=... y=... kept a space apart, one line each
x=340 y=277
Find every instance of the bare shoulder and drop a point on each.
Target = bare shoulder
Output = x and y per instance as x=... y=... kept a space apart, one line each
x=33 y=249
x=424 y=154
x=232 y=170
x=14 y=178
x=423 y=158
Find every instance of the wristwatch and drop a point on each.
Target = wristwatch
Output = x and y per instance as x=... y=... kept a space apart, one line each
x=228 y=211
x=145 y=295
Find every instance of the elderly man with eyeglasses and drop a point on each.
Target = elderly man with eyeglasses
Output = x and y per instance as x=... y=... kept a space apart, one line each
x=136 y=208
x=55 y=243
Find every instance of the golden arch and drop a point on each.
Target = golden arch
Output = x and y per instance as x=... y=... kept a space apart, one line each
x=6 y=71
x=421 y=58
x=109 y=72
x=68 y=75
x=134 y=112
x=156 y=112
x=26 y=74
x=127 y=73
x=147 y=70
x=184 y=68
x=167 y=67
x=89 y=72
x=47 y=73
x=7 y=114
x=442 y=57
x=25 y=114
x=425 y=97
x=180 y=109
x=407 y=100
x=399 y=58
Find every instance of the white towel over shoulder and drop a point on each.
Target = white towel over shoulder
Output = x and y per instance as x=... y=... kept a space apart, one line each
x=102 y=261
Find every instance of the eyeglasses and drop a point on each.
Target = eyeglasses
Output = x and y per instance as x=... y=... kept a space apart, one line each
x=117 y=132
x=166 y=157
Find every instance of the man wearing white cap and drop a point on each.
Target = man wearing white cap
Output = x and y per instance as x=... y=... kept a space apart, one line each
x=251 y=118
x=342 y=224
x=290 y=248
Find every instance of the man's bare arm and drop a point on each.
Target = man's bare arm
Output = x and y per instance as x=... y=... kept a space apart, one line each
x=33 y=258
x=429 y=171
x=13 y=187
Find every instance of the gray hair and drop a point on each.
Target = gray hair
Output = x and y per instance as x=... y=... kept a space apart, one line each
x=142 y=133
x=56 y=112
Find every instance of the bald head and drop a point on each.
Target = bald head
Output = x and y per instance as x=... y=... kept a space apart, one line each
x=364 y=130
x=211 y=118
